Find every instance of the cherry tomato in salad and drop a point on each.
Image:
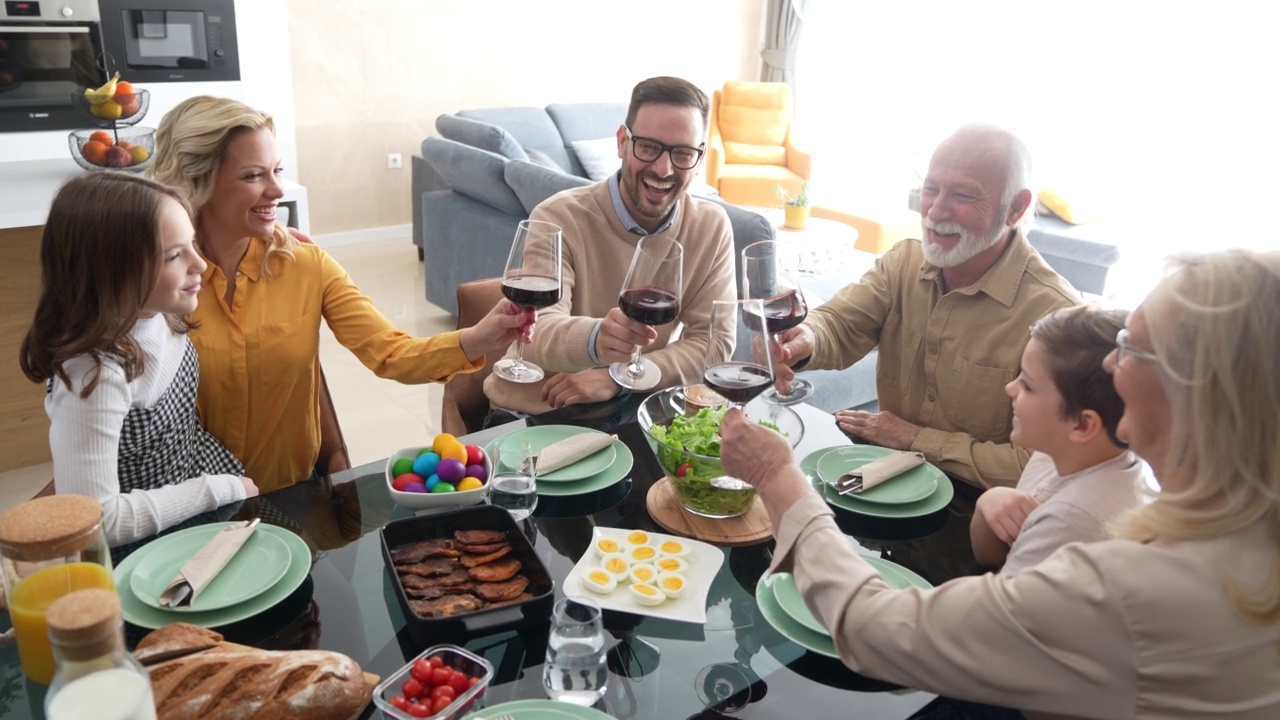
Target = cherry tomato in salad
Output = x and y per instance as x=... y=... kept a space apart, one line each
x=684 y=469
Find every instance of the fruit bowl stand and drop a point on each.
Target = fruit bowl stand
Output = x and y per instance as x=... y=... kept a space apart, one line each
x=117 y=142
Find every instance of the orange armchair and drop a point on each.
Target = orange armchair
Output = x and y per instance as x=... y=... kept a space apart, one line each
x=749 y=144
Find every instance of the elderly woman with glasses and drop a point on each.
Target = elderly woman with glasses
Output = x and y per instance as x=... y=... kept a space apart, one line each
x=1176 y=616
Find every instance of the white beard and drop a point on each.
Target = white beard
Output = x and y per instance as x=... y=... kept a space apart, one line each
x=969 y=245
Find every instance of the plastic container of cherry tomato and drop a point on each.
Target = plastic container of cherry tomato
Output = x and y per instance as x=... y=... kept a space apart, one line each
x=477 y=670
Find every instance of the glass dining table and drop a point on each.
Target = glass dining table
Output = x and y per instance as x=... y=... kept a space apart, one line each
x=736 y=663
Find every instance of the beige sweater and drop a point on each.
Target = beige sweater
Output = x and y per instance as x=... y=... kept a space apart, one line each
x=596 y=253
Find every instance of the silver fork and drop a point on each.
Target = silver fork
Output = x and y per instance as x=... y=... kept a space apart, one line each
x=850 y=482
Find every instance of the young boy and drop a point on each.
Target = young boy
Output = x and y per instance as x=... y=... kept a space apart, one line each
x=1080 y=476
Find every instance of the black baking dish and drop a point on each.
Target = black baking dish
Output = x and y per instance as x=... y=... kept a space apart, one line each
x=441 y=525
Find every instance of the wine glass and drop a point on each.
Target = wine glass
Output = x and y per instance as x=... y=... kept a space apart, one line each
x=767 y=276
x=650 y=294
x=739 y=380
x=532 y=280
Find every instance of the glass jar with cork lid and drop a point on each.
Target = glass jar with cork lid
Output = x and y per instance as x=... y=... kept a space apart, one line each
x=49 y=547
x=96 y=677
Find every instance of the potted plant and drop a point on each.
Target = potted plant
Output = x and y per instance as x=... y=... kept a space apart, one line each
x=795 y=206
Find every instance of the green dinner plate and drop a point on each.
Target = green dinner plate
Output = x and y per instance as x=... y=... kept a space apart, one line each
x=139 y=613
x=540 y=436
x=935 y=502
x=258 y=565
x=771 y=609
x=789 y=598
x=608 y=477
x=911 y=486
x=540 y=710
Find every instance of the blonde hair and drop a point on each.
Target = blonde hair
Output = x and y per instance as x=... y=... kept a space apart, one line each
x=191 y=144
x=1214 y=326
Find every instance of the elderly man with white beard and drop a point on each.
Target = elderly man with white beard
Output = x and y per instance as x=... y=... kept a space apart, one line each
x=950 y=314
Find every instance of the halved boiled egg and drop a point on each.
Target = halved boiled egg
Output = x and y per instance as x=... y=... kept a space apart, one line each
x=643 y=573
x=616 y=565
x=671 y=583
x=673 y=548
x=599 y=581
x=637 y=537
x=605 y=546
x=671 y=564
x=646 y=594
x=642 y=553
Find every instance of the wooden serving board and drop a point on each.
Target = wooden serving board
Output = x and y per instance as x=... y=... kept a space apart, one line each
x=749 y=528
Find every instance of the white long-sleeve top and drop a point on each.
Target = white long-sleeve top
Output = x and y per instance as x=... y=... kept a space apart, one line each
x=85 y=433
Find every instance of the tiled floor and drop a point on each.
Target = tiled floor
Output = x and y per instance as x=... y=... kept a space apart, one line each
x=377 y=416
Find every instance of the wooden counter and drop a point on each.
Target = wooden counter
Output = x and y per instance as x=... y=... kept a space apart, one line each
x=24 y=427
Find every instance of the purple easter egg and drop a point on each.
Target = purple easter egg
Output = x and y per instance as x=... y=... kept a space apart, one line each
x=451 y=471
x=477 y=472
x=415 y=487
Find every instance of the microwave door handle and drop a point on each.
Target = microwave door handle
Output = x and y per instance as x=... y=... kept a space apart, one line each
x=44 y=29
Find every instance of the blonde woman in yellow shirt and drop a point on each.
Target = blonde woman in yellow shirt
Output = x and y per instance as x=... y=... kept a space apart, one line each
x=264 y=295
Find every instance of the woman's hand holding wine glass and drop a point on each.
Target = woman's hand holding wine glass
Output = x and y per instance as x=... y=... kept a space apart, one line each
x=531 y=281
x=651 y=295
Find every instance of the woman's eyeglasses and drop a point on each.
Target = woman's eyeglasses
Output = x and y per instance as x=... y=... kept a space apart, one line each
x=1124 y=348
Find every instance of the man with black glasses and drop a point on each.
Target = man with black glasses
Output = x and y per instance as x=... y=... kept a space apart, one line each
x=660 y=145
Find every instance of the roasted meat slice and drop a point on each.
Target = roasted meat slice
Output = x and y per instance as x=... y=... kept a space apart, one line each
x=499 y=591
x=496 y=571
x=458 y=577
x=446 y=606
x=417 y=552
x=431 y=593
x=482 y=549
x=470 y=560
x=517 y=599
x=480 y=537
x=429 y=568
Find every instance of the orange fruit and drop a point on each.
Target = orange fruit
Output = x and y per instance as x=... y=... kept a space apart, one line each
x=128 y=106
x=124 y=92
x=95 y=152
x=126 y=144
x=103 y=137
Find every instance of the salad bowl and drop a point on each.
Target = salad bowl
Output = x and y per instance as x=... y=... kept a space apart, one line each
x=686 y=441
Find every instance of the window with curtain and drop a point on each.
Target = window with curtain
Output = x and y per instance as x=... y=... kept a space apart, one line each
x=1157 y=118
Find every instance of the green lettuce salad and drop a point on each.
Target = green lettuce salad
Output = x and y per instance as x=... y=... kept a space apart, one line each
x=678 y=444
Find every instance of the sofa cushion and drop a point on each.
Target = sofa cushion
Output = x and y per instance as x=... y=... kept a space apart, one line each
x=531 y=127
x=599 y=158
x=472 y=172
x=585 y=121
x=748 y=154
x=537 y=157
x=533 y=183
x=480 y=135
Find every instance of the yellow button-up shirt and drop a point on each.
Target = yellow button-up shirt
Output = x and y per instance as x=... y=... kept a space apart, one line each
x=945 y=357
x=259 y=358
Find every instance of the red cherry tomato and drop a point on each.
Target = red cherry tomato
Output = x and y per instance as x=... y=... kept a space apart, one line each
x=399 y=702
x=439 y=704
x=412 y=688
x=459 y=682
x=440 y=691
x=684 y=469
x=440 y=676
x=471 y=682
x=436 y=661
x=421 y=671
x=420 y=710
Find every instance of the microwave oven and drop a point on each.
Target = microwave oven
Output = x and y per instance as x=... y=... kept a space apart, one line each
x=153 y=41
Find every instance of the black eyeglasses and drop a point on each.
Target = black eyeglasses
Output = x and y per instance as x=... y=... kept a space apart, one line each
x=646 y=149
x=1124 y=348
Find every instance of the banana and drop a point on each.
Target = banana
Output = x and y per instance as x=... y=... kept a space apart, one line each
x=104 y=93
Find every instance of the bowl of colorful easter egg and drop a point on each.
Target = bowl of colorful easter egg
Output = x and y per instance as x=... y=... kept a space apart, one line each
x=445 y=473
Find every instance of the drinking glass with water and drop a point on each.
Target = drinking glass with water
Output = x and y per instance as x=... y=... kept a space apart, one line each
x=576 y=671
x=514 y=486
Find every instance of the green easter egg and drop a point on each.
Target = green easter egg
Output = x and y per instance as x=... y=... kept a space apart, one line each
x=401 y=466
x=443 y=487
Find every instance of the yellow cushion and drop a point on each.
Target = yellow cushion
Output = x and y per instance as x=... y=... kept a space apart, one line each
x=1073 y=211
x=754 y=113
x=747 y=154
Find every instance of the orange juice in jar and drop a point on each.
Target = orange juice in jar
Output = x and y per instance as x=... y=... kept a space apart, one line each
x=49 y=547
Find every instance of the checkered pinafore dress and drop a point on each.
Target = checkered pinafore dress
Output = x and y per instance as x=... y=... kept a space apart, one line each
x=165 y=444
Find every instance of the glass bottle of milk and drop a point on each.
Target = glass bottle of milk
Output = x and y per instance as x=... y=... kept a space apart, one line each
x=95 y=678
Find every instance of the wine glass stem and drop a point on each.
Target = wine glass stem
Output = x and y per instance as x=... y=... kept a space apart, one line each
x=634 y=368
x=517 y=367
x=787 y=383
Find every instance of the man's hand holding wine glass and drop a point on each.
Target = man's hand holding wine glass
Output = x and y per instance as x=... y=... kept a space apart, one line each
x=790 y=347
x=620 y=335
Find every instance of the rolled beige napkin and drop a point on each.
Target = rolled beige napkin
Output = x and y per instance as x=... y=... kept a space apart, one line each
x=882 y=469
x=196 y=573
x=570 y=450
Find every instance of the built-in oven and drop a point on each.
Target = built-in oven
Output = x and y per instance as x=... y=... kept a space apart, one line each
x=152 y=41
x=49 y=50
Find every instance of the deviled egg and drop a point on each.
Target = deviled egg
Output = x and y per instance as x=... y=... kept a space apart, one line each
x=598 y=581
x=672 y=584
x=671 y=564
x=637 y=537
x=646 y=594
x=643 y=573
x=616 y=565
x=607 y=546
x=642 y=553
x=673 y=548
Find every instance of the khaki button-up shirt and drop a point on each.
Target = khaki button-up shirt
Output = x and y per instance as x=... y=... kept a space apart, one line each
x=945 y=357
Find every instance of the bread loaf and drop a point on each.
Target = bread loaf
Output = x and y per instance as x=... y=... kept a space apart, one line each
x=174 y=640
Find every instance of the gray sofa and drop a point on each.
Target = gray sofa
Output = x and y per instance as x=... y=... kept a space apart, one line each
x=472 y=185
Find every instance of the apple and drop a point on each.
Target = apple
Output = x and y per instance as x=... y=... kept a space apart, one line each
x=118 y=157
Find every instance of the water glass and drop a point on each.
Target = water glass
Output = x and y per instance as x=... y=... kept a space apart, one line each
x=514 y=486
x=576 y=670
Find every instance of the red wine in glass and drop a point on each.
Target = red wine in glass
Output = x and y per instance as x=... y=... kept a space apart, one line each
x=738 y=382
x=781 y=312
x=532 y=291
x=766 y=276
x=650 y=305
